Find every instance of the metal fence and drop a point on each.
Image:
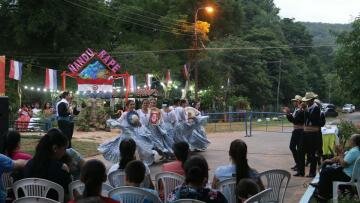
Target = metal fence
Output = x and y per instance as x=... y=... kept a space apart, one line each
x=248 y=121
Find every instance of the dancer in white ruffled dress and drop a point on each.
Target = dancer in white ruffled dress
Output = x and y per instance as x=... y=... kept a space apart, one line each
x=129 y=122
x=168 y=122
x=185 y=123
x=156 y=130
x=198 y=140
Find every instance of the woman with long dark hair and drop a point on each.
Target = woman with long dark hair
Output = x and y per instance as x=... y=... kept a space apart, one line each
x=127 y=150
x=93 y=175
x=196 y=179
x=182 y=152
x=12 y=146
x=130 y=125
x=239 y=167
x=46 y=162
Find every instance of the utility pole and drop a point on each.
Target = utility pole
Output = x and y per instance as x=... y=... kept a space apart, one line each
x=278 y=87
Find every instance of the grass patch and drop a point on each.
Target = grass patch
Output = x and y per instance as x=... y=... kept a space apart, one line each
x=85 y=148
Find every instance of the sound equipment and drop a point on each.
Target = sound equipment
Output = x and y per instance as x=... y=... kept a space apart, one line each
x=4 y=114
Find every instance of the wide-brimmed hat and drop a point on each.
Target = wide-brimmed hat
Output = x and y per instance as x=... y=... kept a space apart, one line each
x=133 y=118
x=309 y=96
x=191 y=112
x=317 y=101
x=297 y=98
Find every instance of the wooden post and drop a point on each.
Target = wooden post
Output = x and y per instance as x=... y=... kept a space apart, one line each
x=63 y=86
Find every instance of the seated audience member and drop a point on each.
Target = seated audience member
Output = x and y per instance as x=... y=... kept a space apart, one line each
x=93 y=174
x=196 y=178
x=8 y=165
x=239 y=167
x=246 y=188
x=134 y=176
x=46 y=162
x=12 y=146
x=127 y=149
x=74 y=161
x=181 y=151
x=342 y=173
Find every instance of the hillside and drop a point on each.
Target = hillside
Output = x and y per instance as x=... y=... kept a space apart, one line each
x=325 y=33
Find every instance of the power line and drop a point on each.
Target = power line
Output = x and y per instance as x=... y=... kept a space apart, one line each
x=124 y=20
x=158 y=15
x=148 y=17
x=131 y=18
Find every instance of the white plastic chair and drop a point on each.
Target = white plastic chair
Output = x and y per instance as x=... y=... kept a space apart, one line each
x=169 y=182
x=355 y=181
x=278 y=180
x=79 y=187
x=34 y=200
x=187 y=201
x=7 y=180
x=37 y=187
x=228 y=189
x=127 y=194
x=117 y=178
x=260 y=197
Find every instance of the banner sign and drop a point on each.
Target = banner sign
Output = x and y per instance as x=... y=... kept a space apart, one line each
x=85 y=58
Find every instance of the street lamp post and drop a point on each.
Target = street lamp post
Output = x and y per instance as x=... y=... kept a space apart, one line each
x=209 y=10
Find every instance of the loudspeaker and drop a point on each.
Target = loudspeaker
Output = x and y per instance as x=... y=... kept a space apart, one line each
x=4 y=115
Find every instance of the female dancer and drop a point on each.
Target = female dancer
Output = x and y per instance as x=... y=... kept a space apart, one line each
x=157 y=133
x=129 y=122
x=198 y=139
x=187 y=122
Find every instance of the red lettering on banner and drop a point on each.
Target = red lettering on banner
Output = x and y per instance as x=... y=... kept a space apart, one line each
x=102 y=54
x=81 y=61
x=77 y=66
x=85 y=57
x=111 y=63
x=116 y=68
x=72 y=68
x=106 y=59
x=88 y=55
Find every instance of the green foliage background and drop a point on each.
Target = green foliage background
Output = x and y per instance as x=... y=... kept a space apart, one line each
x=256 y=43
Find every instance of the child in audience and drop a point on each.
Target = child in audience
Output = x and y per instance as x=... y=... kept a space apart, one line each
x=46 y=162
x=181 y=151
x=196 y=178
x=134 y=176
x=74 y=161
x=8 y=165
x=246 y=188
x=127 y=150
x=12 y=146
x=239 y=167
x=93 y=174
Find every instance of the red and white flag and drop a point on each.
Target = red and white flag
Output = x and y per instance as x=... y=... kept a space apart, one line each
x=168 y=77
x=51 y=79
x=132 y=81
x=185 y=72
x=97 y=85
x=15 y=70
x=2 y=76
x=149 y=80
